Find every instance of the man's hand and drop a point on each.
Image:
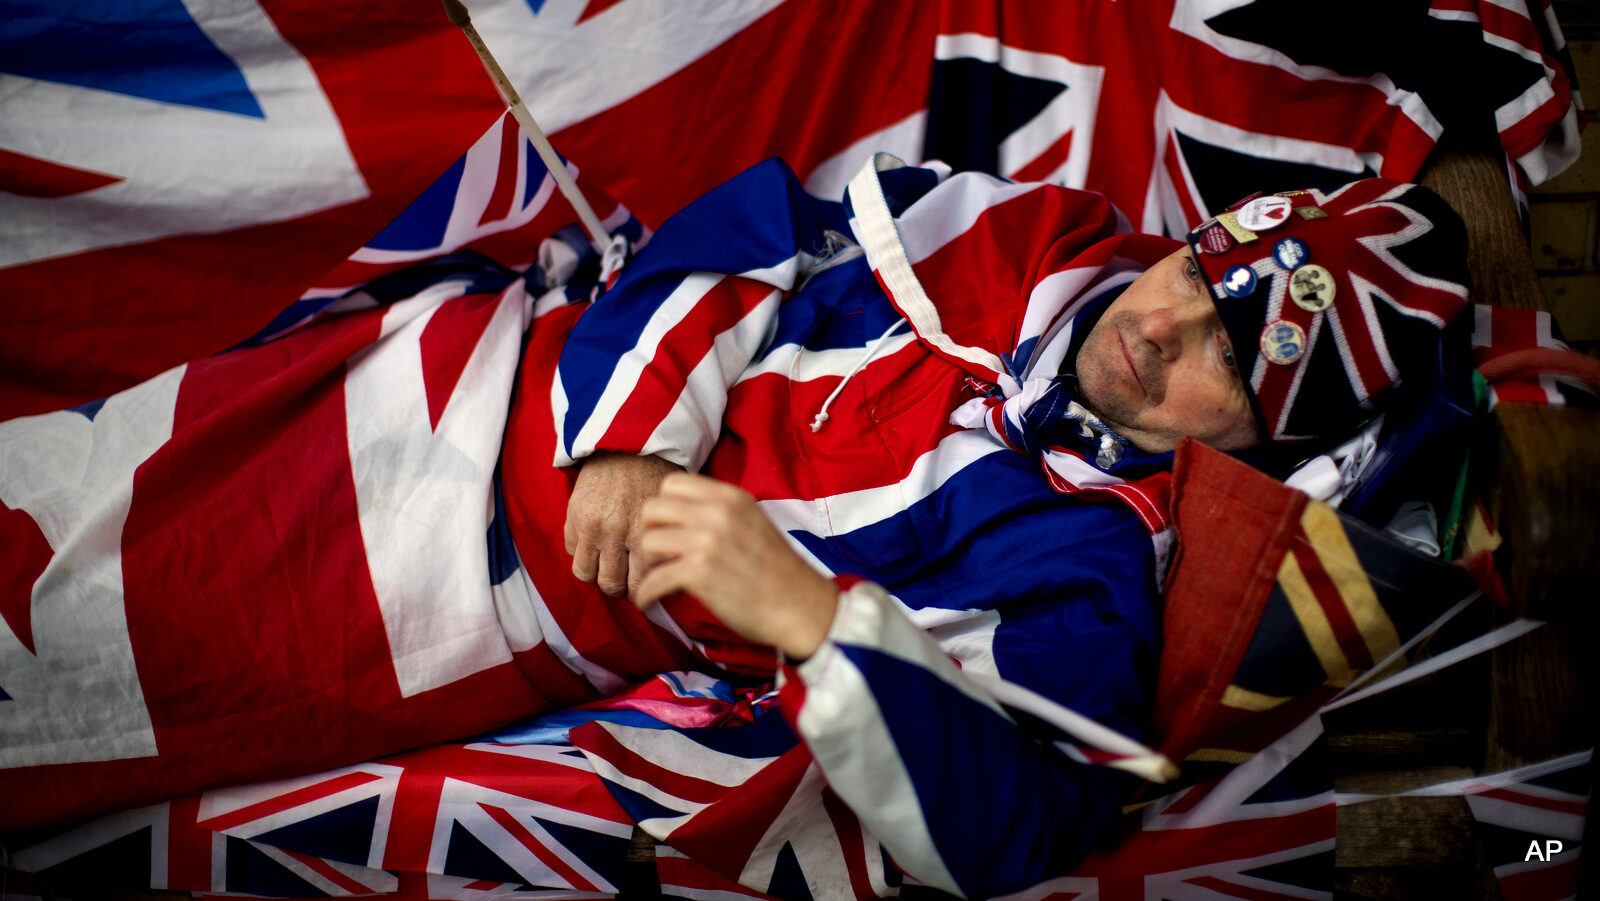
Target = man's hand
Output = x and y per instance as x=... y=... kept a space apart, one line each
x=710 y=539
x=602 y=530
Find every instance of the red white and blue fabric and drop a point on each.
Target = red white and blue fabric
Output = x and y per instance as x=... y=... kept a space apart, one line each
x=1525 y=360
x=715 y=328
x=256 y=148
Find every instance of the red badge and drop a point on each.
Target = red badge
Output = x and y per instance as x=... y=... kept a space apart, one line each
x=1216 y=240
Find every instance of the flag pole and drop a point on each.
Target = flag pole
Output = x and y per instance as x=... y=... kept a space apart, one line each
x=598 y=236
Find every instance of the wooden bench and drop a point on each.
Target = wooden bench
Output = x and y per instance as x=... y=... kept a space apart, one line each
x=1528 y=701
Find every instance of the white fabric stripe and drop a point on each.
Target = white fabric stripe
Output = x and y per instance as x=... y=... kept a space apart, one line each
x=463 y=802
x=1507 y=632
x=1364 y=294
x=841 y=723
x=691 y=428
x=798 y=826
x=798 y=364
x=876 y=233
x=902 y=139
x=625 y=376
x=220 y=802
x=853 y=509
x=1505 y=779
x=1072 y=110
x=1142 y=761
x=946 y=212
x=686 y=757
x=1226 y=803
x=77 y=697
x=604 y=680
x=967 y=45
x=423 y=493
x=66 y=845
x=1526 y=818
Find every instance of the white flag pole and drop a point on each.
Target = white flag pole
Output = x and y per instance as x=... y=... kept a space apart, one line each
x=598 y=236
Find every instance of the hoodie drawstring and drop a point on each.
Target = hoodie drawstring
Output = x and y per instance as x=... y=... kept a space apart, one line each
x=872 y=350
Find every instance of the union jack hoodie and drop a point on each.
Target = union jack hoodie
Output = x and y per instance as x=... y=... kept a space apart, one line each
x=866 y=369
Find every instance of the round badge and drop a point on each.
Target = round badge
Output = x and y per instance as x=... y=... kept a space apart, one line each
x=1283 y=342
x=1311 y=288
x=1240 y=281
x=1264 y=213
x=1291 y=252
x=1216 y=240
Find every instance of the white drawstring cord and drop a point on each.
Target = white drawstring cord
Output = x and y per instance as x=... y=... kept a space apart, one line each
x=872 y=349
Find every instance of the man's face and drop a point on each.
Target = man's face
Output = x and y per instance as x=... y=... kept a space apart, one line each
x=1159 y=365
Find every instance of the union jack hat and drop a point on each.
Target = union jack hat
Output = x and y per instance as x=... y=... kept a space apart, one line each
x=1332 y=300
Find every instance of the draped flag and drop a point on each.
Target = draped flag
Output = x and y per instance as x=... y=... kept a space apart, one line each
x=173 y=175
x=402 y=397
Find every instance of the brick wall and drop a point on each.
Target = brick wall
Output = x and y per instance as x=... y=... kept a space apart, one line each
x=1564 y=213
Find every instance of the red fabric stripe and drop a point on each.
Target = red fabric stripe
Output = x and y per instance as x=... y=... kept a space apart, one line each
x=24 y=554
x=595 y=8
x=1542 y=883
x=1526 y=799
x=851 y=844
x=416 y=806
x=527 y=839
x=1332 y=603
x=447 y=344
x=323 y=789
x=611 y=632
x=28 y=176
x=1040 y=167
x=681 y=349
x=329 y=872
x=505 y=182
x=724 y=835
x=188 y=847
x=1520 y=392
x=1228 y=889
x=1180 y=183
x=788 y=103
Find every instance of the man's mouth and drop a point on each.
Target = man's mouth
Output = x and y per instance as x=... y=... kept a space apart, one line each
x=1133 y=367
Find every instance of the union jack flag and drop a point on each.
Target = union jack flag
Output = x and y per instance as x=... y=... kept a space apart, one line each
x=258 y=147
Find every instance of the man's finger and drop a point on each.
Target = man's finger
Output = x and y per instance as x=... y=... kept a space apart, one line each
x=586 y=562
x=658 y=583
x=612 y=570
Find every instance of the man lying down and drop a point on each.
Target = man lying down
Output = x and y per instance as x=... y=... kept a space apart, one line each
x=918 y=443
x=969 y=404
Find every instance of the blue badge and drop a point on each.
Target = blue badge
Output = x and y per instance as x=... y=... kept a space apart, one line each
x=1283 y=342
x=1291 y=253
x=1240 y=281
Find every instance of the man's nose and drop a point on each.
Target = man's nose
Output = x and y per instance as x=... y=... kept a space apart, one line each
x=1170 y=329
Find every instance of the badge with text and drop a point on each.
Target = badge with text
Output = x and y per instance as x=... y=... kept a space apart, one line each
x=1264 y=213
x=1311 y=288
x=1240 y=281
x=1291 y=253
x=1283 y=342
x=1216 y=239
x=1310 y=212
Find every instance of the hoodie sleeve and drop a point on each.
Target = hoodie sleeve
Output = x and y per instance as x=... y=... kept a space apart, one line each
x=966 y=797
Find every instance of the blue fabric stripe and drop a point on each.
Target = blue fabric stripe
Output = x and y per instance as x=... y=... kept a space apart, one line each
x=421 y=226
x=151 y=49
x=1080 y=573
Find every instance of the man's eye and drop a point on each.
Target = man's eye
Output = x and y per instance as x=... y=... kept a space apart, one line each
x=1192 y=271
x=1227 y=355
